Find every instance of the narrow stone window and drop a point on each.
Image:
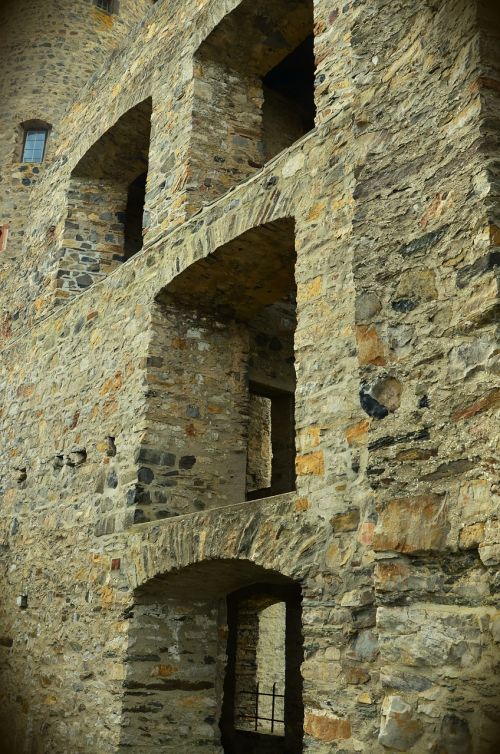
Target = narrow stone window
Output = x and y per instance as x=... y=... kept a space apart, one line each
x=288 y=111
x=262 y=709
x=133 y=221
x=259 y=449
x=271 y=442
x=35 y=140
x=4 y=234
x=253 y=92
x=260 y=667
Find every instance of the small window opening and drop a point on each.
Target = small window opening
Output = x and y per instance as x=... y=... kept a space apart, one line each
x=289 y=109
x=35 y=140
x=107 y=190
x=134 y=212
x=105 y=5
x=271 y=442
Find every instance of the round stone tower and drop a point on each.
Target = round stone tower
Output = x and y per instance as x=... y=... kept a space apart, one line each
x=48 y=51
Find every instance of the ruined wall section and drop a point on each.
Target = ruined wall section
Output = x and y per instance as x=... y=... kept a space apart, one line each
x=489 y=88
x=72 y=421
x=48 y=54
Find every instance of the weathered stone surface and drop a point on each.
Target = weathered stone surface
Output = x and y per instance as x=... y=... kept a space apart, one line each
x=367 y=306
x=412 y=525
x=348 y=521
x=399 y=730
x=430 y=636
x=371 y=348
x=128 y=439
x=328 y=728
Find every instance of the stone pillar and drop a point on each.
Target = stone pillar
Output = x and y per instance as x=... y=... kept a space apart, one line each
x=193 y=456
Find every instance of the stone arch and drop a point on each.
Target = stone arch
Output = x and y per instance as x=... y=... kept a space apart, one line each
x=179 y=658
x=105 y=189
x=222 y=339
x=249 y=58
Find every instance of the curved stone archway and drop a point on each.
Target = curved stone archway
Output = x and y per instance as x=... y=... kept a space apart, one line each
x=274 y=534
x=179 y=648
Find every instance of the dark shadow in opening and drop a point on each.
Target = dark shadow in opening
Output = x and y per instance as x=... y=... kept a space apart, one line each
x=282 y=441
x=134 y=212
x=293 y=79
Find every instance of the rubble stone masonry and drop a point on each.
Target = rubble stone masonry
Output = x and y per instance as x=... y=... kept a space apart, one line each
x=355 y=270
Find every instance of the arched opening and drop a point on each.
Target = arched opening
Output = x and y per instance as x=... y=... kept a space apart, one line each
x=221 y=426
x=201 y=639
x=106 y=197
x=253 y=92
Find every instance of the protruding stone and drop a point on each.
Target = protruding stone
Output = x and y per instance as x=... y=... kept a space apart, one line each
x=399 y=729
x=371 y=349
x=369 y=404
x=367 y=306
x=454 y=736
x=311 y=464
x=365 y=646
x=412 y=525
x=77 y=456
x=347 y=521
x=21 y=474
x=387 y=392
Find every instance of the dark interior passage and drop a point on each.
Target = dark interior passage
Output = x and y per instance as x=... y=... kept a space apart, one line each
x=253 y=91
x=134 y=212
x=106 y=198
x=289 y=109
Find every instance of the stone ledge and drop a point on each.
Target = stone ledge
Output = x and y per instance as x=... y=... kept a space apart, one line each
x=284 y=501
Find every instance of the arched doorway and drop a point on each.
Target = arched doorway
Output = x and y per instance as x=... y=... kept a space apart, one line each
x=221 y=418
x=197 y=639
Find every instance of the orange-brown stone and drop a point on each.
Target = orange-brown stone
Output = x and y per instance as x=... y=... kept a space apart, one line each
x=412 y=525
x=311 y=464
x=370 y=347
x=471 y=536
x=490 y=400
x=356 y=434
x=326 y=727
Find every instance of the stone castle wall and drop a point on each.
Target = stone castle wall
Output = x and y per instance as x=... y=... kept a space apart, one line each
x=48 y=54
x=392 y=531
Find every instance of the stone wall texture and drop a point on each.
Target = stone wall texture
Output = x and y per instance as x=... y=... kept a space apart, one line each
x=357 y=267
